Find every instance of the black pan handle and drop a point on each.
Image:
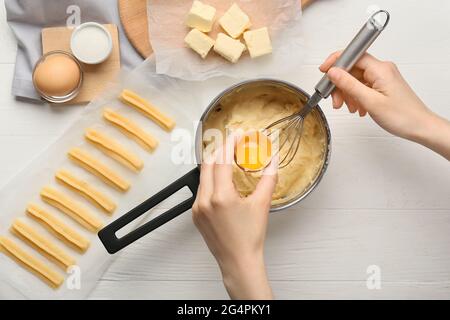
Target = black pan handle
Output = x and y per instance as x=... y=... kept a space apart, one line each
x=108 y=234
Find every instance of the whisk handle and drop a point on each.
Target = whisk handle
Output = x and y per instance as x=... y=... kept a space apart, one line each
x=356 y=48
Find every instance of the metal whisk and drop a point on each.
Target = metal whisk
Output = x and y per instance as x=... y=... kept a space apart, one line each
x=288 y=131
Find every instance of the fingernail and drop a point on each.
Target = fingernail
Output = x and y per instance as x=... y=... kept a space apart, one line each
x=210 y=158
x=272 y=168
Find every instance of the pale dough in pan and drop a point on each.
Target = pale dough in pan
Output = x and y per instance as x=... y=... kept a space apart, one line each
x=114 y=149
x=255 y=108
x=132 y=99
x=86 y=190
x=58 y=228
x=130 y=129
x=42 y=244
x=94 y=166
x=78 y=213
x=31 y=263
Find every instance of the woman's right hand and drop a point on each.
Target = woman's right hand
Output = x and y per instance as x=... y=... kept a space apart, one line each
x=377 y=88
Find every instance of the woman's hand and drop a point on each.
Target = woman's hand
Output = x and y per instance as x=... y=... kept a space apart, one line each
x=377 y=87
x=234 y=228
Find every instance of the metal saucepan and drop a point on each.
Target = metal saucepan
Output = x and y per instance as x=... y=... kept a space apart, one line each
x=191 y=180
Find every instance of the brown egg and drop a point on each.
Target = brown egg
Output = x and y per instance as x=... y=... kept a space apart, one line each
x=57 y=75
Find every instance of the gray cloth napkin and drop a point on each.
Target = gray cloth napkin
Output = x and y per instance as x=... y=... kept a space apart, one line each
x=26 y=19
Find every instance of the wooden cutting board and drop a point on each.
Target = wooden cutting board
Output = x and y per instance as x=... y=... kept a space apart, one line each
x=133 y=15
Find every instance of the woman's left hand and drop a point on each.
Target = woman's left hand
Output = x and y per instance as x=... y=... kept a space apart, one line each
x=234 y=227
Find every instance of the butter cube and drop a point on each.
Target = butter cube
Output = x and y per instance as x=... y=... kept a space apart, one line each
x=201 y=16
x=229 y=48
x=258 y=42
x=199 y=42
x=235 y=21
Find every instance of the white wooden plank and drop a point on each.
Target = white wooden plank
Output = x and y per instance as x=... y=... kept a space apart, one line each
x=382 y=173
x=7 y=101
x=26 y=129
x=417 y=32
x=30 y=120
x=402 y=175
x=399 y=171
x=7 y=40
x=18 y=117
x=18 y=151
x=322 y=245
x=282 y=290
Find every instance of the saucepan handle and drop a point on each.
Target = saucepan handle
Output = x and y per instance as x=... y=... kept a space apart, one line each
x=108 y=234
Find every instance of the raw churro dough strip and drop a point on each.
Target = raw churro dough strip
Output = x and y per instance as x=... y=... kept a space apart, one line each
x=86 y=190
x=131 y=129
x=42 y=244
x=31 y=263
x=91 y=164
x=133 y=99
x=58 y=228
x=114 y=149
x=71 y=208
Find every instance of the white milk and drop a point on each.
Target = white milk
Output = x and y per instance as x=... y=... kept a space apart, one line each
x=91 y=44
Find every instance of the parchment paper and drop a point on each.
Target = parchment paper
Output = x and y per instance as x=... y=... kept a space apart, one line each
x=182 y=100
x=167 y=31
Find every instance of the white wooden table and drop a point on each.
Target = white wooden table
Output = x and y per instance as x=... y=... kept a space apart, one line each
x=383 y=201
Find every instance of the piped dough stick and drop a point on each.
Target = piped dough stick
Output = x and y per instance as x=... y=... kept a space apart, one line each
x=71 y=208
x=133 y=99
x=91 y=164
x=42 y=244
x=130 y=129
x=31 y=263
x=58 y=228
x=86 y=190
x=113 y=149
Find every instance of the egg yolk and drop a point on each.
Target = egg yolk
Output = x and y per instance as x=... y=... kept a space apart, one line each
x=253 y=151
